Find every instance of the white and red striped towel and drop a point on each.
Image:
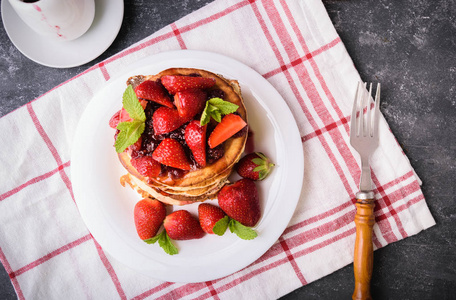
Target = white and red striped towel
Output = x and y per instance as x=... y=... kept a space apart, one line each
x=48 y=251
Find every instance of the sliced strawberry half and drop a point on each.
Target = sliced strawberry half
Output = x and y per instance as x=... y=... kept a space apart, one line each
x=153 y=91
x=190 y=102
x=177 y=83
x=146 y=166
x=229 y=126
x=195 y=137
x=171 y=153
x=165 y=120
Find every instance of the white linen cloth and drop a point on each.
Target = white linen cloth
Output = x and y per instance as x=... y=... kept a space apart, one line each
x=49 y=253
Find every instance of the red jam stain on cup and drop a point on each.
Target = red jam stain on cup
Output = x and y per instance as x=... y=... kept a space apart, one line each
x=43 y=17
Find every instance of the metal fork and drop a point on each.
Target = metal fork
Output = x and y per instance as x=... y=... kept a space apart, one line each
x=364 y=139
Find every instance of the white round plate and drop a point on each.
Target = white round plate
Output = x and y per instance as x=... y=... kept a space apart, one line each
x=107 y=207
x=66 y=54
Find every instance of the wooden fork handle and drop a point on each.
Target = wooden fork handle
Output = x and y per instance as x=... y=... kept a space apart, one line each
x=364 y=253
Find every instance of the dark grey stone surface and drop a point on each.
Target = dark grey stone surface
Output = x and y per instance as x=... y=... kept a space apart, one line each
x=410 y=47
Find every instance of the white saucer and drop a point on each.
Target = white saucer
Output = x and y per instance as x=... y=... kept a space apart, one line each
x=66 y=54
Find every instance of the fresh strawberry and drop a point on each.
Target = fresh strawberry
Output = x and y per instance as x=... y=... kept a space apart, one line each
x=165 y=120
x=171 y=153
x=195 y=137
x=125 y=117
x=255 y=166
x=146 y=166
x=240 y=202
x=189 y=103
x=229 y=126
x=114 y=120
x=148 y=215
x=153 y=91
x=177 y=83
x=208 y=215
x=181 y=225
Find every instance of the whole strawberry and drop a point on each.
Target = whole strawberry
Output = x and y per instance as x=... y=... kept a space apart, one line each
x=240 y=202
x=195 y=137
x=209 y=215
x=148 y=215
x=181 y=225
x=255 y=166
x=229 y=126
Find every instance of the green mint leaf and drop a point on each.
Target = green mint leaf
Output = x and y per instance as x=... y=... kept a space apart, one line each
x=217 y=115
x=221 y=226
x=215 y=108
x=129 y=133
x=166 y=244
x=225 y=107
x=152 y=240
x=244 y=232
x=121 y=142
x=205 y=117
x=132 y=106
x=124 y=126
x=134 y=127
x=214 y=112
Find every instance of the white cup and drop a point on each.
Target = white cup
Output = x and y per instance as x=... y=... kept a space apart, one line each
x=63 y=20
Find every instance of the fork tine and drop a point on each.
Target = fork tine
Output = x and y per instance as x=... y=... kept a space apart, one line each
x=377 y=110
x=353 y=122
x=361 y=111
x=369 y=128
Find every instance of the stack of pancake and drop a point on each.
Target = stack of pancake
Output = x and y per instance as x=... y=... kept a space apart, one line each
x=199 y=184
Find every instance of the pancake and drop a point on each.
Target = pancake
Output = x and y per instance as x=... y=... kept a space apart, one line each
x=147 y=191
x=198 y=184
